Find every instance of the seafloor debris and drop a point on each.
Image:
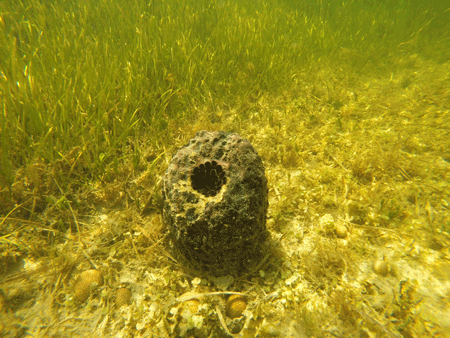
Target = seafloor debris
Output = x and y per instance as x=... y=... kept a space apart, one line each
x=215 y=202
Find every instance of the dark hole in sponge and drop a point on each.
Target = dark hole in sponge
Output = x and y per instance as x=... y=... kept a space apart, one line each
x=208 y=178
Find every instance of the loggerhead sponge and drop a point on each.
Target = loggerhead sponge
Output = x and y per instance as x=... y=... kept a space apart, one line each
x=215 y=202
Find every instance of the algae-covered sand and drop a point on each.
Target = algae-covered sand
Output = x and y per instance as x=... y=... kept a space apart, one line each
x=347 y=103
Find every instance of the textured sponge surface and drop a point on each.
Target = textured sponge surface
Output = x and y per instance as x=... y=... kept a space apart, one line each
x=86 y=281
x=215 y=202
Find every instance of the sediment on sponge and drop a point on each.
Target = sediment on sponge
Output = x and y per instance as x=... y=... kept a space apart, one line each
x=215 y=202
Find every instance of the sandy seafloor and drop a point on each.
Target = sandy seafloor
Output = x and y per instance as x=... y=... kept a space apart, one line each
x=358 y=167
x=358 y=171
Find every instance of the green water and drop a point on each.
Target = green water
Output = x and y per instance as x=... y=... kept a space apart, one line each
x=347 y=102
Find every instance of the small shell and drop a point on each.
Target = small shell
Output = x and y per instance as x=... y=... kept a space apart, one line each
x=87 y=280
x=123 y=296
x=236 y=304
x=381 y=267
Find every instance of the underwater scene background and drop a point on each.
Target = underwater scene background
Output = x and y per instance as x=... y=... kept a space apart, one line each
x=346 y=102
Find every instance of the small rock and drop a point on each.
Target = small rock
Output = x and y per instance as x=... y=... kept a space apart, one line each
x=341 y=231
x=381 y=267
